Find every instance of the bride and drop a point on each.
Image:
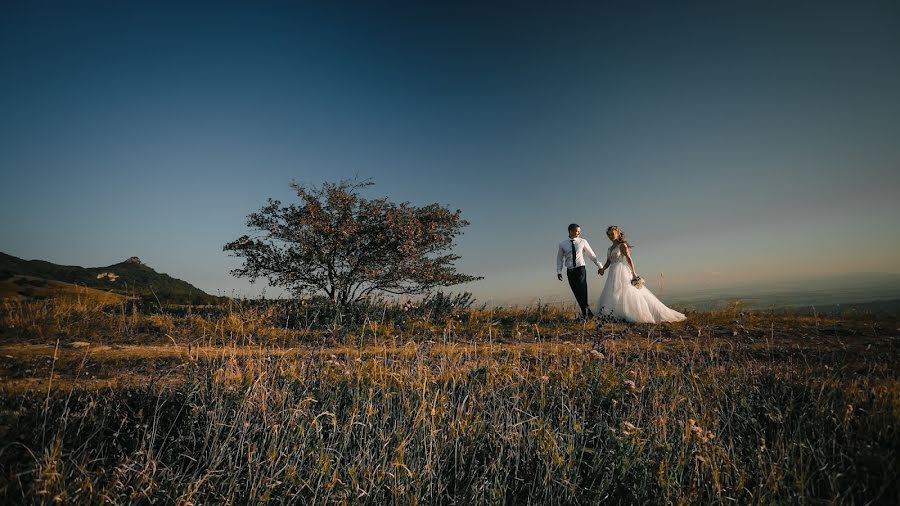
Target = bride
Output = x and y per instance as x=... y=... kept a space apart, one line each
x=621 y=299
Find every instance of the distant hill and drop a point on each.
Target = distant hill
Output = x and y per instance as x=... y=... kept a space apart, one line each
x=130 y=277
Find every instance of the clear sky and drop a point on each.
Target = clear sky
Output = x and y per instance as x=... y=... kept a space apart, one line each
x=732 y=141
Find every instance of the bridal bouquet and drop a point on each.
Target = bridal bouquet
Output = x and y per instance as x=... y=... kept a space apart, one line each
x=637 y=282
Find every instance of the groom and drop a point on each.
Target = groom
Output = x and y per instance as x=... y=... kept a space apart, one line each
x=571 y=255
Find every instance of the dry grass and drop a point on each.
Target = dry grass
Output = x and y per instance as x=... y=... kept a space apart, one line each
x=503 y=406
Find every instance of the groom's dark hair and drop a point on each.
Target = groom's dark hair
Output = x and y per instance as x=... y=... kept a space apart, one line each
x=573 y=226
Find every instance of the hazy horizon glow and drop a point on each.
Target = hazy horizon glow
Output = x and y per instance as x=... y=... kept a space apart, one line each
x=733 y=143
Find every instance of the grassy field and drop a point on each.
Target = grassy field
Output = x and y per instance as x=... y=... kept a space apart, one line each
x=243 y=404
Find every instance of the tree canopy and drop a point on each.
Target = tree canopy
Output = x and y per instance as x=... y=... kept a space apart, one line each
x=335 y=241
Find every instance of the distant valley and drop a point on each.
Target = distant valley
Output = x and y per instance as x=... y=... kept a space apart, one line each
x=874 y=291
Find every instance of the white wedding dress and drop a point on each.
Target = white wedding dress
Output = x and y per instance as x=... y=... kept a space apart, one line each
x=621 y=300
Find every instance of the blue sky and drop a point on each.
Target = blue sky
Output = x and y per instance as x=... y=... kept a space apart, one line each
x=732 y=141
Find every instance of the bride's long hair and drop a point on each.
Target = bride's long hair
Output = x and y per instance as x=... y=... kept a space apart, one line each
x=621 y=239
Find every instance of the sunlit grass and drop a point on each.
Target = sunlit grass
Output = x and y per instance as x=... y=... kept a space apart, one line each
x=499 y=406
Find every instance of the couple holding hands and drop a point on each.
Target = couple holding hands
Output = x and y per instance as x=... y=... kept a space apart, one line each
x=624 y=297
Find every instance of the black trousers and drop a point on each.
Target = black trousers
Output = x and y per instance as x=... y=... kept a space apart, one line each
x=578 y=284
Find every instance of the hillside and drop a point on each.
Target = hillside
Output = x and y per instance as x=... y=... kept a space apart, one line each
x=30 y=288
x=130 y=277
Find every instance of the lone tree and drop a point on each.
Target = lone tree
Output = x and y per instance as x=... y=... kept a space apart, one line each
x=338 y=243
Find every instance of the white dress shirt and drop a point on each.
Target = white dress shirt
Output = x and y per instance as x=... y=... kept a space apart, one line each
x=564 y=255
